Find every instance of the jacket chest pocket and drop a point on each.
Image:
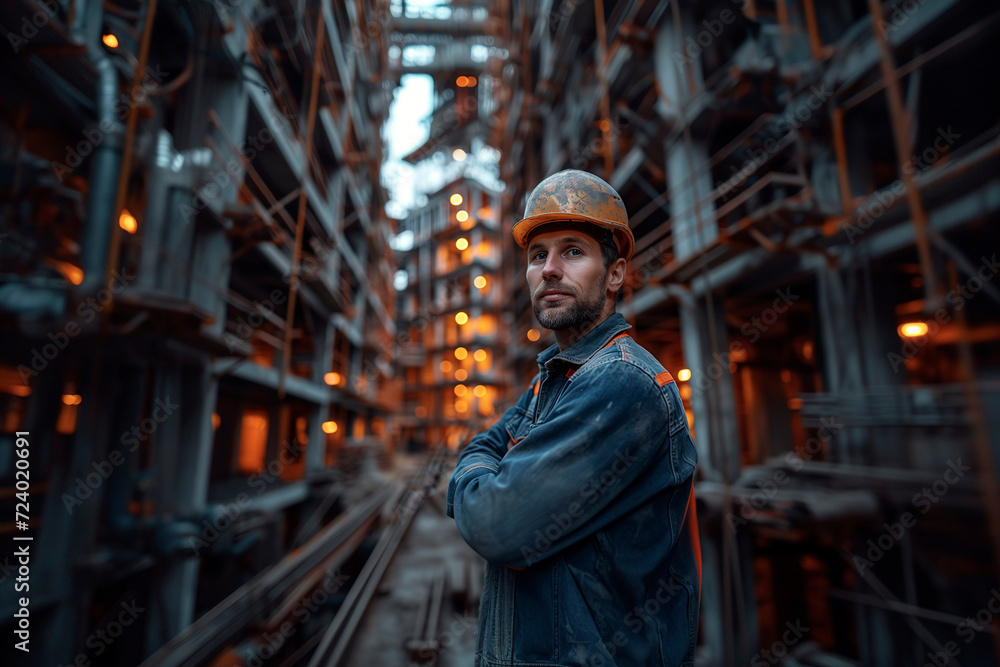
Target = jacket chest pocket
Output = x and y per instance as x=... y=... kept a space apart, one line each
x=518 y=425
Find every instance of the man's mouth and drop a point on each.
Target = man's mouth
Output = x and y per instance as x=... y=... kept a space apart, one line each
x=553 y=296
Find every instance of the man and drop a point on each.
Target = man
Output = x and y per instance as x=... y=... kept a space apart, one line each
x=580 y=498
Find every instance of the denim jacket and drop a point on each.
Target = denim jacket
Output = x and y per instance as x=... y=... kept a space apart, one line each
x=580 y=499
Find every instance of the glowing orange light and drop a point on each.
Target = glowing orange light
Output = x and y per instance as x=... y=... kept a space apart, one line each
x=461 y=406
x=533 y=335
x=332 y=378
x=329 y=427
x=72 y=399
x=462 y=243
x=461 y=375
x=462 y=216
x=73 y=274
x=912 y=329
x=445 y=366
x=420 y=411
x=479 y=391
x=127 y=221
x=461 y=317
x=605 y=125
x=461 y=390
x=459 y=155
x=480 y=282
x=456 y=199
x=684 y=374
x=462 y=81
x=110 y=41
x=480 y=355
x=216 y=420
x=461 y=353
x=472 y=81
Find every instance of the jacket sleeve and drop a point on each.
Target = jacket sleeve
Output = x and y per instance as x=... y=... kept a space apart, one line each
x=483 y=453
x=571 y=475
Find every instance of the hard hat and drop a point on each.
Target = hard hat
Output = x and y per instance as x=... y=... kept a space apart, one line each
x=574 y=195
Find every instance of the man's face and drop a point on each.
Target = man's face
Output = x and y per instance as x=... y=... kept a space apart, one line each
x=566 y=276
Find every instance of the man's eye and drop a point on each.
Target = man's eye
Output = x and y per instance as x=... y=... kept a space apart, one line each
x=577 y=251
x=537 y=256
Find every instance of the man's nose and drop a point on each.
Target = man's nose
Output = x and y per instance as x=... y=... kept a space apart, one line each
x=552 y=267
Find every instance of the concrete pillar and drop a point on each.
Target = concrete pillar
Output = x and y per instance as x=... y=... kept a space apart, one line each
x=689 y=178
x=840 y=360
x=182 y=448
x=712 y=397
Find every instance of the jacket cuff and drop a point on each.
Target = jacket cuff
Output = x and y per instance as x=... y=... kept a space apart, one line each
x=468 y=472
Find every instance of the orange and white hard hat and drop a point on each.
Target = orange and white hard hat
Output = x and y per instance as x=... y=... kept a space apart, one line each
x=572 y=195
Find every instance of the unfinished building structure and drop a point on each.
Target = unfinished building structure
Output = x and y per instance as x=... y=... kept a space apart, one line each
x=813 y=189
x=197 y=314
x=196 y=304
x=453 y=312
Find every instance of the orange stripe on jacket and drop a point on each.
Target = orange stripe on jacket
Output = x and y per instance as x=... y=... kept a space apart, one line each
x=623 y=334
x=691 y=519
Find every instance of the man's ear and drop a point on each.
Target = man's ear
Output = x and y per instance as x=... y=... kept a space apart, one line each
x=616 y=275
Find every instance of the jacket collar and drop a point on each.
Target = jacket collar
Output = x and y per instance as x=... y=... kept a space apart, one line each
x=583 y=349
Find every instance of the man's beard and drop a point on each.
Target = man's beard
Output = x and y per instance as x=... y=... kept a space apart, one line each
x=585 y=308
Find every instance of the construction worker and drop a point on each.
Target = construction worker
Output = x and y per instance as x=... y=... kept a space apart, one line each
x=580 y=497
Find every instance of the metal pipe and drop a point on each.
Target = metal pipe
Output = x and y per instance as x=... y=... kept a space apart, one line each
x=125 y=163
x=107 y=157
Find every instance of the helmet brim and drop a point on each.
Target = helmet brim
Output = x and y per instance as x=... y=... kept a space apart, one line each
x=623 y=235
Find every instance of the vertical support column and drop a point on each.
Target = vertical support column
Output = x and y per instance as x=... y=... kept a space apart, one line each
x=840 y=359
x=712 y=397
x=689 y=176
x=183 y=445
x=316 y=449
